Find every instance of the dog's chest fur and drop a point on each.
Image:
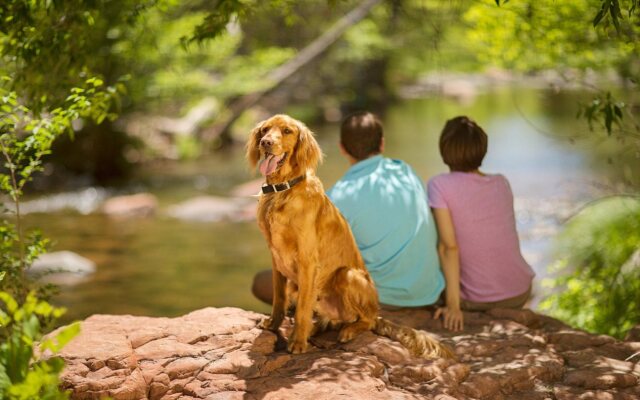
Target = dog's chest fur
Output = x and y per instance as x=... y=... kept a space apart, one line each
x=277 y=215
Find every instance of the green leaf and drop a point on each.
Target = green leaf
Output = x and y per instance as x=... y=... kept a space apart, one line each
x=618 y=111
x=599 y=16
x=608 y=119
x=10 y=303
x=5 y=382
x=5 y=319
x=615 y=12
x=64 y=336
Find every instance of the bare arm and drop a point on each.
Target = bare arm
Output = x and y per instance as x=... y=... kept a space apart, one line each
x=450 y=262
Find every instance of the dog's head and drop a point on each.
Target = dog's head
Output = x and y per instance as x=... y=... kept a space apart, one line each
x=283 y=148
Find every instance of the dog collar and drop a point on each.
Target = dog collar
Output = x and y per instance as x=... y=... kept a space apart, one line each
x=281 y=187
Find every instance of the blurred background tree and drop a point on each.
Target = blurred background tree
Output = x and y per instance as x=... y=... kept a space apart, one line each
x=171 y=55
x=578 y=38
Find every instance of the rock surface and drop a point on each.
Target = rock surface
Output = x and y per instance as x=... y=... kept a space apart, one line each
x=135 y=205
x=214 y=209
x=220 y=354
x=62 y=268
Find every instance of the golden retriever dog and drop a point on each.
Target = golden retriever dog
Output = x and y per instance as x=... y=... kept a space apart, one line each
x=316 y=263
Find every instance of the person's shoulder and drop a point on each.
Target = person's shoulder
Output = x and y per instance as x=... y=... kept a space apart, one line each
x=399 y=165
x=503 y=179
x=441 y=179
x=337 y=190
x=394 y=163
x=437 y=183
x=497 y=177
x=405 y=170
x=347 y=190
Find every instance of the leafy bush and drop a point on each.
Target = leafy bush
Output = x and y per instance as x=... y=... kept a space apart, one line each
x=25 y=138
x=22 y=375
x=599 y=289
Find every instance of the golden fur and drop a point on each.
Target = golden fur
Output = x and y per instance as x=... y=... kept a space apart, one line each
x=316 y=263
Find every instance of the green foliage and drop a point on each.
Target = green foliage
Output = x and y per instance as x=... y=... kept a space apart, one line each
x=599 y=284
x=167 y=75
x=48 y=47
x=603 y=109
x=23 y=376
x=25 y=138
x=612 y=9
x=225 y=12
x=13 y=264
x=573 y=35
x=44 y=47
x=138 y=44
x=544 y=34
x=188 y=147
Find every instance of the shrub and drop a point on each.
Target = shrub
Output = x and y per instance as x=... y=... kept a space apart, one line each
x=22 y=374
x=598 y=287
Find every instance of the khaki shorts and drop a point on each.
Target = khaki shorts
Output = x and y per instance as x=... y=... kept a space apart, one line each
x=512 y=302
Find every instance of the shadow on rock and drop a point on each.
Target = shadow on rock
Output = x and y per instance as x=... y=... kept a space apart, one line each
x=221 y=354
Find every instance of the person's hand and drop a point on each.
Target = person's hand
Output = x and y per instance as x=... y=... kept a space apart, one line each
x=452 y=317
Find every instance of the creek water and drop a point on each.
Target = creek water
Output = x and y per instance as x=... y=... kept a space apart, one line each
x=162 y=266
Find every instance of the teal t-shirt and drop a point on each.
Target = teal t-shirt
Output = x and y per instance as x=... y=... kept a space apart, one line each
x=385 y=203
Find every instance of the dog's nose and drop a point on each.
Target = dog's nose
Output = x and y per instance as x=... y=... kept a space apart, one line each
x=266 y=142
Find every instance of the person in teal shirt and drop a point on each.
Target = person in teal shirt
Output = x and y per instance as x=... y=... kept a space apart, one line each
x=385 y=204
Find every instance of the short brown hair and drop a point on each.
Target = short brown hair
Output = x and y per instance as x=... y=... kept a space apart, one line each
x=463 y=144
x=361 y=135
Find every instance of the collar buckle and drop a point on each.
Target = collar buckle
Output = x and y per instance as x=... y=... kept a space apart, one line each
x=281 y=187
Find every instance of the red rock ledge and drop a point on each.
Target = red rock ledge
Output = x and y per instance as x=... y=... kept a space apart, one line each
x=220 y=354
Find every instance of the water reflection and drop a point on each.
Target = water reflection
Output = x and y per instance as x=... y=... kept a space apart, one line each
x=163 y=266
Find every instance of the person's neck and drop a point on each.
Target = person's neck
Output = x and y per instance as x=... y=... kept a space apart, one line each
x=353 y=161
x=475 y=171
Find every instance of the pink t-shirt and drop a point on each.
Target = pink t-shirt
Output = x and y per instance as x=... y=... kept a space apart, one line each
x=481 y=207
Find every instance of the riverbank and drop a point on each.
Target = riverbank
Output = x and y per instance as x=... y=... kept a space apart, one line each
x=219 y=353
x=196 y=231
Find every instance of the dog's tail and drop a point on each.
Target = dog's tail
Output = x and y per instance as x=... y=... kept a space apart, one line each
x=418 y=342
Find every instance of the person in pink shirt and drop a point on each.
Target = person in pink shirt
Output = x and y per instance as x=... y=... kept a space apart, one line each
x=478 y=244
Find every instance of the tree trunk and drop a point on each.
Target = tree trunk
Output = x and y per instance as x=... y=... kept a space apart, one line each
x=286 y=70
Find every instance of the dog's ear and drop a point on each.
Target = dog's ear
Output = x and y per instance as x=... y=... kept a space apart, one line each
x=253 y=149
x=307 y=153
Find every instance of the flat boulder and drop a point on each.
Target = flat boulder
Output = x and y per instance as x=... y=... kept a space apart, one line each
x=135 y=205
x=248 y=189
x=62 y=267
x=214 y=209
x=220 y=353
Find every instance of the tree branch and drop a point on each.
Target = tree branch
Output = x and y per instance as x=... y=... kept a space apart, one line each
x=288 y=69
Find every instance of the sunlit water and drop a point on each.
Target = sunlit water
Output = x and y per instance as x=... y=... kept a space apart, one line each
x=165 y=267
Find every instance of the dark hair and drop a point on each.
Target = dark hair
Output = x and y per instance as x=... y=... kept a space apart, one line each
x=463 y=144
x=361 y=135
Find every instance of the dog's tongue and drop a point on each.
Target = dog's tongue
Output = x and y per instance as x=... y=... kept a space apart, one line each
x=269 y=164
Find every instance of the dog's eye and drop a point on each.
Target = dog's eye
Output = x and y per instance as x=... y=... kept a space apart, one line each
x=287 y=131
x=265 y=129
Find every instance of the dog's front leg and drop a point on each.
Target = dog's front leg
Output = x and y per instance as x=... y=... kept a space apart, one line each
x=307 y=267
x=277 y=309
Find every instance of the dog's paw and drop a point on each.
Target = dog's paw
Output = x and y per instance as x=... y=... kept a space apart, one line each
x=270 y=324
x=346 y=335
x=297 y=346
